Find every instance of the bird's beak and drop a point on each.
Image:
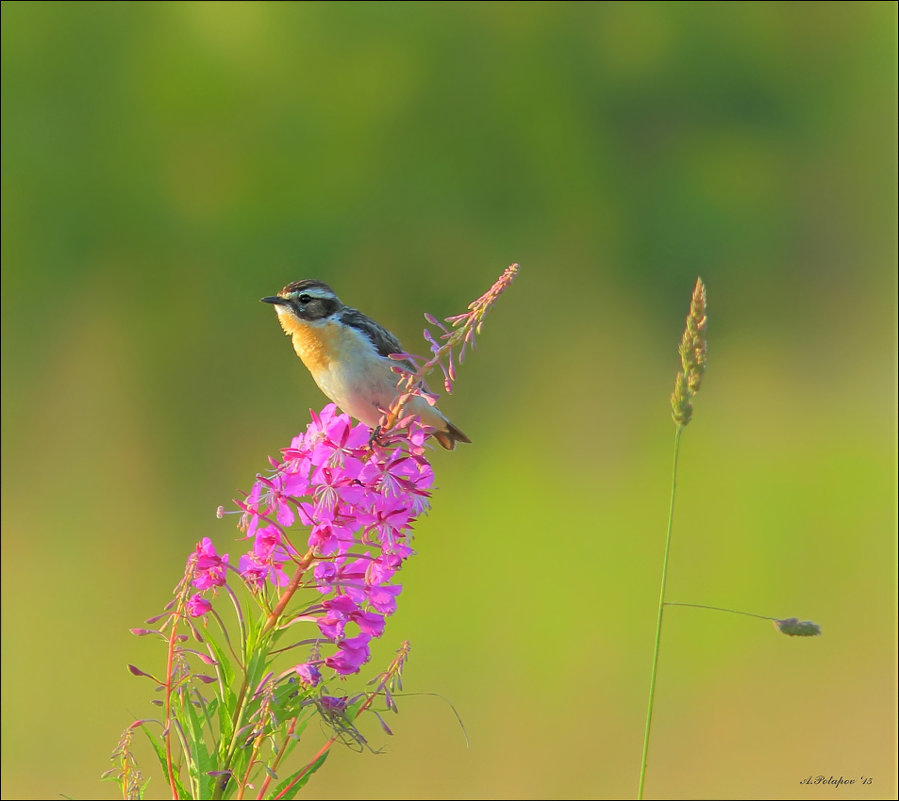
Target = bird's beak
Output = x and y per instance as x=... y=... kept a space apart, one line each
x=276 y=300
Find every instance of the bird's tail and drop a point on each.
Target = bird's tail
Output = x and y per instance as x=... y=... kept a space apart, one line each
x=444 y=431
x=450 y=436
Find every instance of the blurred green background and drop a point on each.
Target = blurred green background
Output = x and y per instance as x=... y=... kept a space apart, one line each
x=166 y=165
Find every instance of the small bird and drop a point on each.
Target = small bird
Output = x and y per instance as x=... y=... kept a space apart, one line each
x=346 y=352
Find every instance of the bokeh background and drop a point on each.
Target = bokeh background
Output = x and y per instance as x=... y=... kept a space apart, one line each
x=166 y=165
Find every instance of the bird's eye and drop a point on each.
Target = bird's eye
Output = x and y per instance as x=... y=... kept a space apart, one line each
x=304 y=298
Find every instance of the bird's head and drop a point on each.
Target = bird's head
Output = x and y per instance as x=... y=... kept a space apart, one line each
x=306 y=301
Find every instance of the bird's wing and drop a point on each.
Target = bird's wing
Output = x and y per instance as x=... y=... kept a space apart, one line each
x=385 y=343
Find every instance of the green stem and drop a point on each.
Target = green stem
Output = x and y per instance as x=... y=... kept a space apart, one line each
x=262 y=642
x=169 y=690
x=721 y=609
x=655 y=653
x=236 y=718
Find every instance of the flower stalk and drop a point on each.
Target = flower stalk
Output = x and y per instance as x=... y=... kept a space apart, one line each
x=457 y=337
x=693 y=351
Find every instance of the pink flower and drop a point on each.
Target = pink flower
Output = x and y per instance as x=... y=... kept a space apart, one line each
x=197 y=605
x=309 y=674
x=256 y=571
x=333 y=705
x=338 y=444
x=328 y=537
x=384 y=598
x=351 y=654
x=350 y=494
x=341 y=576
x=369 y=623
x=381 y=570
x=338 y=612
x=209 y=567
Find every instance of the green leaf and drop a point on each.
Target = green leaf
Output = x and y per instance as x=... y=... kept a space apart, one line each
x=288 y=701
x=159 y=748
x=256 y=668
x=208 y=707
x=227 y=699
x=291 y=742
x=253 y=626
x=226 y=670
x=200 y=762
x=301 y=783
x=352 y=711
x=240 y=759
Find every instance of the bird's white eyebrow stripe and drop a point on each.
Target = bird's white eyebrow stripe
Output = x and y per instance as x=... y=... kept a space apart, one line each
x=315 y=292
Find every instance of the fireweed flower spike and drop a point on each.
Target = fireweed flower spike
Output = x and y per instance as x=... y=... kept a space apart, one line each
x=325 y=531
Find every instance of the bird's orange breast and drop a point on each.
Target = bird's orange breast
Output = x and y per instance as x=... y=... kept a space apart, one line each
x=316 y=345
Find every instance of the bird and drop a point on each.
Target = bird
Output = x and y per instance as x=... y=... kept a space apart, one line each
x=347 y=355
